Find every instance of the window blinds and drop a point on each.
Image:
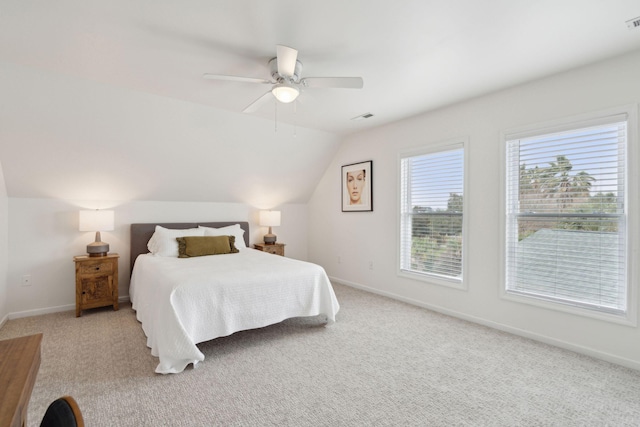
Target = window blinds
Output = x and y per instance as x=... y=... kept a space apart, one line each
x=431 y=213
x=566 y=237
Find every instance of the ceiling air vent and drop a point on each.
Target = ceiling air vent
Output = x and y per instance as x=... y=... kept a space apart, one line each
x=633 y=23
x=362 y=116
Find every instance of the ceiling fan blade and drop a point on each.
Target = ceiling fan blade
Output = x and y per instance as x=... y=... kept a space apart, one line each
x=255 y=105
x=333 y=82
x=287 y=57
x=235 y=78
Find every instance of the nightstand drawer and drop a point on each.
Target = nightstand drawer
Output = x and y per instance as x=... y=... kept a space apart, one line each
x=96 y=268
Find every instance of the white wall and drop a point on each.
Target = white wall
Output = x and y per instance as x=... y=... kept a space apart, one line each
x=44 y=237
x=358 y=238
x=66 y=138
x=4 y=248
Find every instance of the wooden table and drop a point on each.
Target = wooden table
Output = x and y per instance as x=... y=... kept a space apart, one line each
x=19 y=364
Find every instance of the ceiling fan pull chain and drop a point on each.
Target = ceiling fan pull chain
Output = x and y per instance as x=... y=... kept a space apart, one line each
x=295 y=118
x=275 y=118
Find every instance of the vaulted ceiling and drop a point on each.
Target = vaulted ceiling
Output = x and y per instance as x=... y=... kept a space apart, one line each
x=119 y=82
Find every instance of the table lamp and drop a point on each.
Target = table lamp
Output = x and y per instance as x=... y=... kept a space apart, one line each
x=270 y=219
x=97 y=221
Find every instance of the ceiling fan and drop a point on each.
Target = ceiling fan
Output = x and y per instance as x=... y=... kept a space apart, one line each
x=286 y=84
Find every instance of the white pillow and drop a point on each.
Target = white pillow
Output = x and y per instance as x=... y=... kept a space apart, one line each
x=230 y=230
x=164 y=243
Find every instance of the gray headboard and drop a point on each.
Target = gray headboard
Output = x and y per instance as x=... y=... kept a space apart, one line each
x=141 y=233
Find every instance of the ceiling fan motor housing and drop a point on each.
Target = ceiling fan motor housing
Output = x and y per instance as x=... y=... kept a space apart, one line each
x=273 y=67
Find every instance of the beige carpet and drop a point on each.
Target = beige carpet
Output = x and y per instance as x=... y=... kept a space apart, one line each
x=384 y=363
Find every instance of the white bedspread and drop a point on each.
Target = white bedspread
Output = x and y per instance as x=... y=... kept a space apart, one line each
x=184 y=301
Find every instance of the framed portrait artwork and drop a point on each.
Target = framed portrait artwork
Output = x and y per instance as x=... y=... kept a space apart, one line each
x=357 y=187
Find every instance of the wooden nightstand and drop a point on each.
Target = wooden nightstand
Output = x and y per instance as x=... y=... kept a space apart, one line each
x=276 y=248
x=96 y=282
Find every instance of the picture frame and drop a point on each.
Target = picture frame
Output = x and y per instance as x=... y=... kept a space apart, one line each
x=357 y=187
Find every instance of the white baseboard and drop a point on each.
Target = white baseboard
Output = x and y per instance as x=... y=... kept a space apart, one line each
x=48 y=310
x=41 y=311
x=499 y=326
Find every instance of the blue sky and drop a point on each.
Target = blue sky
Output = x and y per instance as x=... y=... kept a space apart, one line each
x=435 y=176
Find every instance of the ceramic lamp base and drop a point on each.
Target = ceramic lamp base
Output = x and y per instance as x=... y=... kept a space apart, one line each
x=97 y=249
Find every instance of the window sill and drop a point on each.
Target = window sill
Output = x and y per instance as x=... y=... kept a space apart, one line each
x=626 y=319
x=433 y=279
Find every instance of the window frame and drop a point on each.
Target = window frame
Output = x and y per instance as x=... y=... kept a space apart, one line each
x=434 y=148
x=628 y=318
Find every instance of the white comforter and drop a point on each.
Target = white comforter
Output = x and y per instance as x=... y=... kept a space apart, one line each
x=184 y=301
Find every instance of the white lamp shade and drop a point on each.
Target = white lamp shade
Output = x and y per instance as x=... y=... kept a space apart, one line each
x=270 y=218
x=96 y=220
x=285 y=93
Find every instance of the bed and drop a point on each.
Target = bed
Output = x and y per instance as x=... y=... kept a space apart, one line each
x=181 y=302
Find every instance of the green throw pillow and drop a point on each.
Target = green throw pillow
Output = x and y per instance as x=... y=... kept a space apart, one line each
x=192 y=246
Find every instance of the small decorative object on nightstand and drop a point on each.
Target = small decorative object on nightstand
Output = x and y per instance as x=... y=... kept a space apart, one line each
x=275 y=248
x=96 y=282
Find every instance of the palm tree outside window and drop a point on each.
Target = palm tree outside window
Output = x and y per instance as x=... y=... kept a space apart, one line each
x=566 y=233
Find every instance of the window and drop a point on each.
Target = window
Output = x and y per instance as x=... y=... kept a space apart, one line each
x=431 y=214
x=566 y=215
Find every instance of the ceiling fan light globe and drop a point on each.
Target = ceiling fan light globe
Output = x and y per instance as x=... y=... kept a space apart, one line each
x=285 y=93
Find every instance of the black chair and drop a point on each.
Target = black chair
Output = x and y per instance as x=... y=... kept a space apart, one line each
x=63 y=412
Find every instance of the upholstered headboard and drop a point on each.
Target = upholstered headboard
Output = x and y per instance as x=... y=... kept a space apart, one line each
x=141 y=233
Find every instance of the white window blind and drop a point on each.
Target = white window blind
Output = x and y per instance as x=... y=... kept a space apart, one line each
x=566 y=236
x=431 y=209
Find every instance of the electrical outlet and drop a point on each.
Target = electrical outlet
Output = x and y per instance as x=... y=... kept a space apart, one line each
x=26 y=280
x=370 y=265
x=339 y=259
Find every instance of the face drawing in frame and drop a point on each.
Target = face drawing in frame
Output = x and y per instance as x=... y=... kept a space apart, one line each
x=357 y=187
x=356 y=181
